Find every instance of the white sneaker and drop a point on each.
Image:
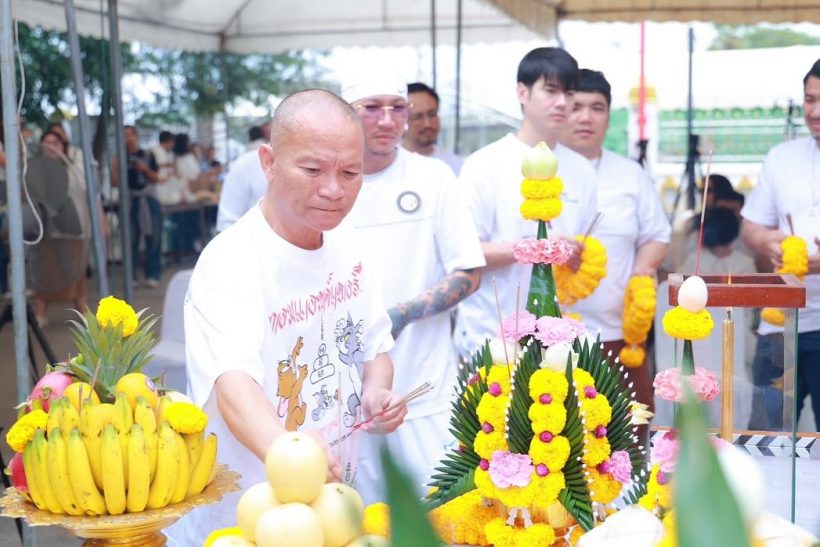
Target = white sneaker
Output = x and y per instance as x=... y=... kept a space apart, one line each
x=152 y=283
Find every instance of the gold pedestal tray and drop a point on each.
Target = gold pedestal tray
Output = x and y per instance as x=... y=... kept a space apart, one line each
x=130 y=529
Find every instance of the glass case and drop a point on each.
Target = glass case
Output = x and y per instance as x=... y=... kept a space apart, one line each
x=753 y=352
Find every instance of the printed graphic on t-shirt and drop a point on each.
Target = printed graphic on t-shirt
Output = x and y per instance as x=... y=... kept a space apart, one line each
x=350 y=345
x=291 y=377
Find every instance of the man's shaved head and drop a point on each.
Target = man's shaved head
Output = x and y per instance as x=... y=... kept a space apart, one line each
x=307 y=105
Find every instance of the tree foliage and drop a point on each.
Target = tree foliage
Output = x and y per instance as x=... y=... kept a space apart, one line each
x=746 y=37
x=192 y=84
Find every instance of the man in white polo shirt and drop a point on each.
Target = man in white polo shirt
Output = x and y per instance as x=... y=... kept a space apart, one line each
x=414 y=221
x=789 y=184
x=547 y=78
x=634 y=228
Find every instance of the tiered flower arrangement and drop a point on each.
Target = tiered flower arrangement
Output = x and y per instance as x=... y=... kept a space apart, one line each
x=545 y=426
x=640 y=299
x=795 y=261
x=95 y=437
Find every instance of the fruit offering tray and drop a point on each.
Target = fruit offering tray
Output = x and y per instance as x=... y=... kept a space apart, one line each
x=129 y=528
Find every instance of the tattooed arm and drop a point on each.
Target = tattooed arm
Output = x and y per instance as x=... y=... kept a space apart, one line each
x=448 y=292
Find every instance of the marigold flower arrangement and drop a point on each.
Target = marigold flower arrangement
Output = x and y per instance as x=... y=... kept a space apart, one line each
x=795 y=261
x=575 y=286
x=640 y=299
x=549 y=424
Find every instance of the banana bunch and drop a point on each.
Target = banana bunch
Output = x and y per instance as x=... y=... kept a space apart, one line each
x=109 y=459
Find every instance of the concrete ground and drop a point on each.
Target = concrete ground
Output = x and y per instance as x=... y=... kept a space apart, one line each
x=59 y=338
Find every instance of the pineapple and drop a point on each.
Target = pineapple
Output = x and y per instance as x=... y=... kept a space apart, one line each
x=115 y=342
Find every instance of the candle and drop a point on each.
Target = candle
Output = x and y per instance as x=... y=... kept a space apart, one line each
x=727 y=378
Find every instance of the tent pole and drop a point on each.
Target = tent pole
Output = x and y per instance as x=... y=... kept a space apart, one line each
x=691 y=142
x=14 y=200
x=433 y=38
x=115 y=58
x=88 y=159
x=459 y=25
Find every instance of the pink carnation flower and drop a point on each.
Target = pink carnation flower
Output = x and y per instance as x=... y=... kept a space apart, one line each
x=551 y=330
x=512 y=332
x=665 y=452
x=542 y=251
x=704 y=384
x=508 y=469
x=620 y=466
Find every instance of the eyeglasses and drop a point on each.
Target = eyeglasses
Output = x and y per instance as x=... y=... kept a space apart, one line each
x=419 y=116
x=373 y=112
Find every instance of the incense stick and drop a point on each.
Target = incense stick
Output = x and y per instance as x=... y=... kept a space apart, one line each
x=790 y=223
x=592 y=225
x=423 y=389
x=500 y=323
x=703 y=211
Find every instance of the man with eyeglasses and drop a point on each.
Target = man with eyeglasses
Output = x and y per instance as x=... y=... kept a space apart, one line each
x=413 y=217
x=424 y=125
x=547 y=79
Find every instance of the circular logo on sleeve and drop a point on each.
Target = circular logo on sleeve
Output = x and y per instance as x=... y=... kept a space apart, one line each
x=409 y=202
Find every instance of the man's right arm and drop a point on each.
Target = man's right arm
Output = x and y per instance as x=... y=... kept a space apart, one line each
x=763 y=240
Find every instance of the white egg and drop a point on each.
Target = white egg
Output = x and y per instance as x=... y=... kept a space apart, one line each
x=693 y=294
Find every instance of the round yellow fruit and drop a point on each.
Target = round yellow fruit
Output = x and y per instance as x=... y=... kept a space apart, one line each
x=135 y=384
x=296 y=467
x=255 y=501
x=73 y=394
x=227 y=537
x=177 y=397
x=341 y=510
x=369 y=541
x=289 y=525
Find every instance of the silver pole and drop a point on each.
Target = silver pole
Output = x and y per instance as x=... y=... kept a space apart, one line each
x=119 y=143
x=14 y=199
x=459 y=26
x=85 y=139
x=433 y=39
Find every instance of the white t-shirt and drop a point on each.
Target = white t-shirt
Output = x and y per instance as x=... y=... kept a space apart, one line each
x=492 y=179
x=790 y=183
x=633 y=216
x=245 y=184
x=453 y=160
x=300 y=323
x=414 y=219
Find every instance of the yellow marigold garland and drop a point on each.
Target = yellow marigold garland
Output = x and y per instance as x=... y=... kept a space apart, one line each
x=541 y=209
x=795 y=256
x=773 y=316
x=22 y=431
x=597 y=413
x=542 y=189
x=658 y=497
x=500 y=535
x=573 y=286
x=603 y=488
x=113 y=311
x=377 y=520
x=682 y=324
x=462 y=520
x=640 y=299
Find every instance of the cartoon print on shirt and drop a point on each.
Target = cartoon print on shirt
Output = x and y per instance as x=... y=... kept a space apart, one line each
x=322 y=367
x=289 y=390
x=324 y=401
x=349 y=343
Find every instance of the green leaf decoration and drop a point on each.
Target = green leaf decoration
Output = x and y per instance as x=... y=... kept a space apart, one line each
x=687 y=366
x=575 y=496
x=519 y=435
x=541 y=298
x=410 y=526
x=706 y=510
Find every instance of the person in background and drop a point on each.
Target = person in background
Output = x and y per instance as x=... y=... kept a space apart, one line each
x=547 y=80
x=244 y=186
x=163 y=153
x=424 y=124
x=786 y=197
x=634 y=228
x=256 y=138
x=258 y=370
x=721 y=228
x=412 y=215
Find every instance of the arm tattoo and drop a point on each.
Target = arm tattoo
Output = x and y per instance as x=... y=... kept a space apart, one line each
x=445 y=294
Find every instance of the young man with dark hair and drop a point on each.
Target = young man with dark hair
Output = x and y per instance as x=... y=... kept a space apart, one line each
x=547 y=79
x=424 y=124
x=789 y=185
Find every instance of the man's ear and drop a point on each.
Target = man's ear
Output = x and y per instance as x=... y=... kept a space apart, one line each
x=522 y=92
x=266 y=158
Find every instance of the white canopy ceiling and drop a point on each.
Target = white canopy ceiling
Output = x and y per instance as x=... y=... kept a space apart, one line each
x=273 y=25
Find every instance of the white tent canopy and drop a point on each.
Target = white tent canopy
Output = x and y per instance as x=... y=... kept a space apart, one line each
x=245 y=26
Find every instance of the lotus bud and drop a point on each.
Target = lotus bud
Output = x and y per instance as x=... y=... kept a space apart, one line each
x=539 y=163
x=555 y=357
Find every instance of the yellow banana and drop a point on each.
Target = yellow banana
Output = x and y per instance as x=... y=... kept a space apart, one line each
x=69 y=419
x=204 y=471
x=194 y=443
x=55 y=414
x=164 y=402
x=164 y=484
x=58 y=475
x=139 y=478
x=145 y=417
x=32 y=478
x=123 y=420
x=93 y=418
x=40 y=461
x=82 y=480
x=184 y=473
x=113 y=475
